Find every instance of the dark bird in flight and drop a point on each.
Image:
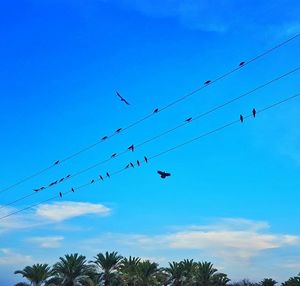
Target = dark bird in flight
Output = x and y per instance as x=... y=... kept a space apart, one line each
x=101 y=177
x=138 y=162
x=67 y=177
x=113 y=155
x=92 y=181
x=107 y=174
x=131 y=165
x=60 y=194
x=241 y=64
x=56 y=162
x=118 y=130
x=127 y=166
x=254 y=112
x=146 y=159
x=61 y=180
x=155 y=110
x=208 y=82
x=104 y=138
x=189 y=119
x=163 y=175
x=131 y=147
x=241 y=118
x=122 y=98
x=72 y=190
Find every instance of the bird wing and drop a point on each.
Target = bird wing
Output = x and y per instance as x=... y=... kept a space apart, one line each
x=160 y=173
x=126 y=101
x=119 y=95
x=167 y=174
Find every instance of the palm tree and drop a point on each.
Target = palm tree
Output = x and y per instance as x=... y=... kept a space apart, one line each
x=37 y=274
x=72 y=270
x=188 y=271
x=293 y=281
x=128 y=270
x=108 y=264
x=146 y=273
x=176 y=273
x=204 y=274
x=268 y=282
x=220 y=279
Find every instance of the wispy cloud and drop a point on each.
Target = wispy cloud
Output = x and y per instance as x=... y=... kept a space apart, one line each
x=60 y=211
x=47 y=241
x=9 y=257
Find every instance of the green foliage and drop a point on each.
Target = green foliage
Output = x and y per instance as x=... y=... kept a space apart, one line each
x=293 y=281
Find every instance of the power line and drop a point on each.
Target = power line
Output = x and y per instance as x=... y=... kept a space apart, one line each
x=168 y=131
x=163 y=152
x=151 y=114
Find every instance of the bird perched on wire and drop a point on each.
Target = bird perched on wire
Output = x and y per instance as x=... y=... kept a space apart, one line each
x=241 y=118
x=241 y=64
x=138 y=163
x=113 y=155
x=108 y=175
x=155 y=110
x=189 y=119
x=60 y=194
x=131 y=165
x=72 y=190
x=68 y=176
x=56 y=162
x=118 y=130
x=207 y=82
x=101 y=177
x=254 y=112
x=36 y=190
x=61 y=180
x=92 y=181
x=131 y=148
x=146 y=159
x=163 y=175
x=122 y=98
x=52 y=184
x=104 y=138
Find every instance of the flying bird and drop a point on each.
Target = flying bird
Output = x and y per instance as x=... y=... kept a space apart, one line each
x=131 y=165
x=56 y=162
x=254 y=112
x=101 y=177
x=241 y=118
x=146 y=159
x=107 y=174
x=138 y=162
x=113 y=155
x=60 y=194
x=118 y=130
x=241 y=64
x=127 y=166
x=163 y=175
x=104 y=138
x=189 y=119
x=208 y=82
x=131 y=147
x=155 y=110
x=92 y=181
x=72 y=190
x=122 y=98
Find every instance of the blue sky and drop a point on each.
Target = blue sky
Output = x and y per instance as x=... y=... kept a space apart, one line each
x=232 y=198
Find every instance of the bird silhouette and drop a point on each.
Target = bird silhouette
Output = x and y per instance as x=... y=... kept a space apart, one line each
x=131 y=147
x=254 y=112
x=42 y=188
x=101 y=177
x=72 y=190
x=131 y=165
x=36 y=190
x=104 y=138
x=189 y=119
x=113 y=155
x=127 y=166
x=241 y=118
x=67 y=177
x=56 y=162
x=60 y=194
x=122 y=98
x=107 y=174
x=241 y=64
x=163 y=175
x=138 y=162
x=155 y=110
x=52 y=184
x=61 y=180
x=146 y=159
x=118 y=130
x=208 y=82
x=92 y=181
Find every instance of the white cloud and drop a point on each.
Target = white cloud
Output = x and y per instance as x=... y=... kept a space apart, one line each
x=60 y=211
x=47 y=241
x=8 y=257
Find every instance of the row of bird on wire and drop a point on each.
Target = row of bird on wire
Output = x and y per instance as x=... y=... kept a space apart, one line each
x=162 y=174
